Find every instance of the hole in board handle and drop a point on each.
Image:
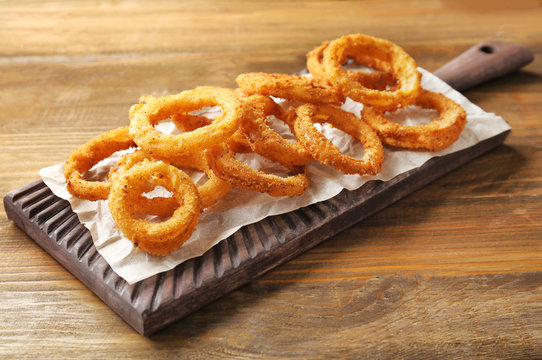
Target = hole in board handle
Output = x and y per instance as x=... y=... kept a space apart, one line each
x=487 y=49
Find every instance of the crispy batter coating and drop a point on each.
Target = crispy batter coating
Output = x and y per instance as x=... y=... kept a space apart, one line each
x=210 y=192
x=359 y=46
x=381 y=79
x=223 y=162
x=290 y=87
x=157 y=109
x=190 y=122
x=158 y=238
x=324 y=151
x=436 y=135
x=263 y=139
x=86 y=156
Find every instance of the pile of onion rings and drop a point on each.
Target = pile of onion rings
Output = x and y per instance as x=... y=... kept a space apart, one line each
x=243 y=123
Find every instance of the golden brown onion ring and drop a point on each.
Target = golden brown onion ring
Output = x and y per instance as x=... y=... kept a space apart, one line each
x=359 y=46
x=324 y=151
x=158 y=238
x=223 y=162
x=190 y=122
x=210 y=192
x=156 y=109
x=290 y=87
x=263 y=139
x=378 y=80
x=436 y=135
x=86 y=156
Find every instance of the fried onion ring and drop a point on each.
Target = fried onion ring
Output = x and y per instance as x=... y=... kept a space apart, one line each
x=190 y=122
x=158 y=238
x=324 y=151
x=436 y=135
x=290 y=87
x=156 y=109
x=263 y=139
x=210 y=192
x=223 y=162
x=86 y=156
x=401 y=65
x=377 y=80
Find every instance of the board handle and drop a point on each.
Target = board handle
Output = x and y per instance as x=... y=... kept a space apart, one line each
x=483 y=62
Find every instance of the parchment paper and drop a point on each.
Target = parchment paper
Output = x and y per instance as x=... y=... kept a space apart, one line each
x=241 y=207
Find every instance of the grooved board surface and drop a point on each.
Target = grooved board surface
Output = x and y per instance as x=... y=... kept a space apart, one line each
x=153 y=303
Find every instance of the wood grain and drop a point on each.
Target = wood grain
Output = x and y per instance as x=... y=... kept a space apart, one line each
x=452 y=271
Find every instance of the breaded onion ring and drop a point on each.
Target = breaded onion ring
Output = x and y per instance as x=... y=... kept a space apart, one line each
x=190 y=122
x=324 y=151
x=210 y=192
x=436 y=135
x=359 y=46
x=223 y=162
x=86 y=156
x=378 y=80
x=158 y=238
x=156 y=109
x=263 y=139
x=290 y=87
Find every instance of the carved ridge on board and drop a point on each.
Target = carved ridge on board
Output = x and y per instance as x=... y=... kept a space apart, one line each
x=218 y=262
x=39 y=204
x=119 y=284
x=52 y=223
x=84 y=248
x=32 y=195
x=156 y=294
x=50 y=211
x=263 y=235
x=92 y=257
x=279 y=235
x=28 y=190
x=71 y=222
x=232 y=251
x=196 y=271
x=78 y=233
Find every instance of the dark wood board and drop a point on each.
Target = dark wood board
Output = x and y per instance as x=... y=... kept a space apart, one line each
x=153 y=303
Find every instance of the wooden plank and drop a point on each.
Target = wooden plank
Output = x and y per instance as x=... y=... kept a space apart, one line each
x=153 y=303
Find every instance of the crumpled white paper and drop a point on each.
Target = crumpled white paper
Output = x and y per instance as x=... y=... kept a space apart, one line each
x=241 y=207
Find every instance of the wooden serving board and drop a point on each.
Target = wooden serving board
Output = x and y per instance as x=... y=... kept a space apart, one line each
x=153 y=303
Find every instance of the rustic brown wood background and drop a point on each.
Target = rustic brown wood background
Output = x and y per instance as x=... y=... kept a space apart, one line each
x=452 y=271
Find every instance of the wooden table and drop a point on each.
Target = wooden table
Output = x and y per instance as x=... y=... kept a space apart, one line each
x=452 y=271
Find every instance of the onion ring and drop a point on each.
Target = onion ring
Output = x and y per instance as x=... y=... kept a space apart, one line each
x=377 y=80
x=158 y=238
x=263 y=139
x=223 y=162
x=436 y=135
x=159 y=206
x=156 y=109
x=324 y=151
x=210 y=192
x=402 y=67
x=290 y=87
x=190 y=122
x=86 y=156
